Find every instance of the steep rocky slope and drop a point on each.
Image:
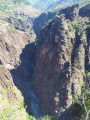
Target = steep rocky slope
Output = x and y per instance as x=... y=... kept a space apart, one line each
x=19 y=14
x=16 y=32
x=62 y=57
x=11 y=44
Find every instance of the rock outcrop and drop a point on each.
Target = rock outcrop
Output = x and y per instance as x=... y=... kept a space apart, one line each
x=60 y=60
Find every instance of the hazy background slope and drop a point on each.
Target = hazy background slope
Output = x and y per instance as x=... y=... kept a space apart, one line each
x=45 y=5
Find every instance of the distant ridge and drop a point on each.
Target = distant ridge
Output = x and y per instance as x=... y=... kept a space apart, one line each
x=45 y=5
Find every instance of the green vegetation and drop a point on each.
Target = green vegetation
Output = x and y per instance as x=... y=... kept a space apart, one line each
x=75 y=26
x=17 y=111
x=8 y=5
x=26 y=2
x=84 y=101
x=70 y=28
x=46 y=118
x=88 y=32
x=78 y=28
x=30 y=117
x=13 y=111
x=10 y=112
x=88 y=27
x=88 y=74
x=50 y=118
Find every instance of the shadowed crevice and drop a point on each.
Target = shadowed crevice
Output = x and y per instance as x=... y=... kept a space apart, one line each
x=23 y=73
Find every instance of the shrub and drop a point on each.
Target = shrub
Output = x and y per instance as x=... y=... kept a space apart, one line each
x=75 y=26
x=70 y=28
x=30 y=117
x=46 y=118
x=88 y=27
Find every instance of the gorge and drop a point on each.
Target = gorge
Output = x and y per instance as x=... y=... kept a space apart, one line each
x=44 y=62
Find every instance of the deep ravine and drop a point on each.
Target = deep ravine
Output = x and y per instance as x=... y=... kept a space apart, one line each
x=22 y=78
x=47 y=72
x=28 y=59
x=34 y=101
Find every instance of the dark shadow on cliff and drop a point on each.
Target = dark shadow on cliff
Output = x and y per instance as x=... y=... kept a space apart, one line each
x=84 y=11
x=23 y=73
x=74 y=112
x=41 y=21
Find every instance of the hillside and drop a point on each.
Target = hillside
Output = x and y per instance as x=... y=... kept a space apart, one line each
x=9 y=5
x=11 y=44
x=19 y=7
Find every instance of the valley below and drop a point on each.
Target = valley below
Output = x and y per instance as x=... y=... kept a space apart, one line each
x=44 y=62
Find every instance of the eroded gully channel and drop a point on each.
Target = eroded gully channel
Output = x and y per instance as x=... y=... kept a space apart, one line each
x=28 y=60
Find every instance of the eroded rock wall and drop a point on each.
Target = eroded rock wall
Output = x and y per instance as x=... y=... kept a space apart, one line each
x=60 y=60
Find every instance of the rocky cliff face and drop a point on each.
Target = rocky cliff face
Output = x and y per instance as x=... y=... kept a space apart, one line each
x=10 y=40
x=61 y=59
